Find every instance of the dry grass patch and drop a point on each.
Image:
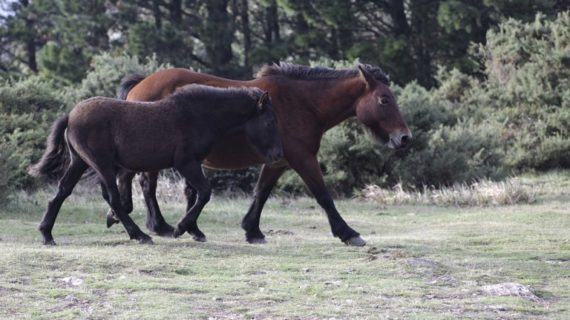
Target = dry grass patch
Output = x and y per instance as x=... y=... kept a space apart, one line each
x=482 y=193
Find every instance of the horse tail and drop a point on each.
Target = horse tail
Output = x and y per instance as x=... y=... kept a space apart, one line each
x=127 y=85
x=56 y=156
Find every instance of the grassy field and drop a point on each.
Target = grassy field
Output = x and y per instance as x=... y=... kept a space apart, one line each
x=421 y=262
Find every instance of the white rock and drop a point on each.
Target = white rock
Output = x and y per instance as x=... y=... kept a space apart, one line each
x=73 y=281
x=510 y=289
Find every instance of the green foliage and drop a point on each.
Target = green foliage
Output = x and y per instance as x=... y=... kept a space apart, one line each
x=68 y=65
x=166 y=44
x=32 y=95
x=27 y=109
x=463 y=153
x=5 y=173
x=105 y=75
x=528 y=87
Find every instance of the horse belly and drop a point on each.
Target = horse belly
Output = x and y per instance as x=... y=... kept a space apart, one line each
x=145 y=157
x=231 y=153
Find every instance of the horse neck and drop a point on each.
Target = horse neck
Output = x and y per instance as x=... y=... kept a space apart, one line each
x=227 y=115
x=336 y=100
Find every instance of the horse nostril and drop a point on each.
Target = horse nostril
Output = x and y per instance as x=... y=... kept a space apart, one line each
x=405 y=140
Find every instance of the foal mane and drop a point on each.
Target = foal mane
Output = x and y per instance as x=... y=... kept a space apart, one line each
x=300 y=72
x=199 y=92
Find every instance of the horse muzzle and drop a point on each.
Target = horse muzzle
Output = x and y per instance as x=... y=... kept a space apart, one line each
x=400 y=140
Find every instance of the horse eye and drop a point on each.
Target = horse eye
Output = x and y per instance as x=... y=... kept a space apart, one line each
x=383 y=100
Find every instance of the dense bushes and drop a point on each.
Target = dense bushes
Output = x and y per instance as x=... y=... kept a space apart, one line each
x=528 y=87
x=27 y=109
x=514 y=116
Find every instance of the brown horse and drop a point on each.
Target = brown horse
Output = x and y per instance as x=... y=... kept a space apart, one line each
x=308 y=102
x=109 y=134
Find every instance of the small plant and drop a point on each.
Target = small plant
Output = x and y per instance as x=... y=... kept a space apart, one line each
x=481 y=193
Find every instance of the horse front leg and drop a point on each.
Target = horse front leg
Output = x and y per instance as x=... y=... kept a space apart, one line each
x=250 y=223
x=194 y=176
x=308 y=168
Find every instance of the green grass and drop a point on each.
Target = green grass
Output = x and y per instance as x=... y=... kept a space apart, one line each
x=421 y=262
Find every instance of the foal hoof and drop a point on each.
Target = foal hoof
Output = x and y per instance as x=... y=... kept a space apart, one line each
x=163 y=230
x=111 y=220
x=178 y=232
x=146 y=240
x=49 y=242
x=256 y=240
x=199 y=238
x=355 y=242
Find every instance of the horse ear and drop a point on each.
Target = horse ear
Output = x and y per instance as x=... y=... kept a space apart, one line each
x=263 y=100
x=367 y=77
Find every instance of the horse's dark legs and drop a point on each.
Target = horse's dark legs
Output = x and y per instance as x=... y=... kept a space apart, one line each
x=154 y=219
x=309 y=170
x=66 y=185
x=125 y=186
x=194 y=176
x=250 y=223
x=111 y=194
x=190 y=194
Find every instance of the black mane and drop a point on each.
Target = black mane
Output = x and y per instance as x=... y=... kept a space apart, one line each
x=300 y=72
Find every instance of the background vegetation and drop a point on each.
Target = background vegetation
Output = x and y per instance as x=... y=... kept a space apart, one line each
x=485 y=86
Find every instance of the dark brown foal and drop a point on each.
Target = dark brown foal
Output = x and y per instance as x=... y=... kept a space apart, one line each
x=103 y=134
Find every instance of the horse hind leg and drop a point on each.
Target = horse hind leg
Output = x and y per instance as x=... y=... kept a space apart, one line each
x=154 y=219
x=111 y=194
x=65 y=187
x=125 y=179
x=194 y=176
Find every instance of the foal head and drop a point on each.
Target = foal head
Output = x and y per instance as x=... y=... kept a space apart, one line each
x=262 y=130
x=378 y=110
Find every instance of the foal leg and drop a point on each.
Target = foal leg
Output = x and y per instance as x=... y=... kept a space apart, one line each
x=66 y=185
x=250 y=223
x=308 y=168
x=111 y=194
x=154 y=219
x=194 y=176
x=125 y=186
x=190 y=194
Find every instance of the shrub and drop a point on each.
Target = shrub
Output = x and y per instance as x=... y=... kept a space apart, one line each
x=106 y=73
x=5 y=174
x=27 y=109
x=528 y=87
x=462 y=153
x=32 y=95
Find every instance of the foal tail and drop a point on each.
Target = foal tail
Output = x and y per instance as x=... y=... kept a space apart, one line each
x=127 y=84
x=56 y=156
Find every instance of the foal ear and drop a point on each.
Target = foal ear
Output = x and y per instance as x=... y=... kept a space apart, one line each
x=367 y=77
x=263 y=100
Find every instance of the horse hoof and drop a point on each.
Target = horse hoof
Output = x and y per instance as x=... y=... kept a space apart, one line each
x=199 y=238
x=146 y=240
x=49 y=242
x=256 y=240
x=111 y=221
x=355 y=242
x=178 y=232
x=163 y=230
